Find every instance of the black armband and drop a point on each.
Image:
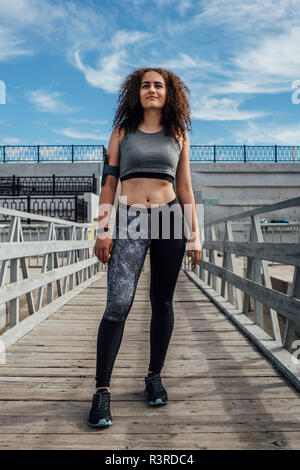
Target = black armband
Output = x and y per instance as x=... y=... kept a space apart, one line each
x=108 y=170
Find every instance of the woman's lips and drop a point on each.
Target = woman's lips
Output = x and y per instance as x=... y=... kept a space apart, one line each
x=151 y=98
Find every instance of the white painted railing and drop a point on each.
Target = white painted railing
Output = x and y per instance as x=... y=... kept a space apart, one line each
x=216 y=281
x=69 y=262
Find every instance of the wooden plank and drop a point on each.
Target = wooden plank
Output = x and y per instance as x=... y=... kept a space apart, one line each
x=175 y=354
x=230 y=396
x=71 y=345
x=196 y=364
x=128 y=389
x=128 y=441
x=137 y=372
x=51 y=425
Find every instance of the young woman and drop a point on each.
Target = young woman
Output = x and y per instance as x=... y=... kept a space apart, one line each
x=149 y=151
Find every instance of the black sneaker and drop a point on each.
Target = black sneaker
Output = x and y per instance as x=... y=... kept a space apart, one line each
x=155 y=391
x=100 y=416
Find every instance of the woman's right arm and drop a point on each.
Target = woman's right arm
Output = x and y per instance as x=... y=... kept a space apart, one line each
x=104 y=242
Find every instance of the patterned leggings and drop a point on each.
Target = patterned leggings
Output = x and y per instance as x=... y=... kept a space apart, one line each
x=162 y=229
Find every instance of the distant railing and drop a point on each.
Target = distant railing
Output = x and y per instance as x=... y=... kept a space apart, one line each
x=216 y=280
x=71 y=208
x=245 y=153
x=198 y=153
x=22 y=185
x=67 y=263
x=51 y=153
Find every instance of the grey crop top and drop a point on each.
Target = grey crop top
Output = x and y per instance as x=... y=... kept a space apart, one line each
x=152 y=155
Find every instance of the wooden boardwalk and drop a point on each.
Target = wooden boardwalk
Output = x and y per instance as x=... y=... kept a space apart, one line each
x=223 y=393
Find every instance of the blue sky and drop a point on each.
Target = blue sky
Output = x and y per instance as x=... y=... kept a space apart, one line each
x=63 y=62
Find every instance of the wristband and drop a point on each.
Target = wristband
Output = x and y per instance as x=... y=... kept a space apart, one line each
x=102 y=229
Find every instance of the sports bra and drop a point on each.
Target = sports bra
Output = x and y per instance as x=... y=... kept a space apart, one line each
x=148 y=155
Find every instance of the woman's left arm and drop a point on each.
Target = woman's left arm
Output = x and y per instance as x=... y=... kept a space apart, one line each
x=186 y=198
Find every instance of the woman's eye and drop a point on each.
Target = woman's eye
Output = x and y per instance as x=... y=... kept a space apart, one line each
x=160 y=86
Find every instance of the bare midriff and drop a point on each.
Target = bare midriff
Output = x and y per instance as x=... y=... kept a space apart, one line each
x=147 y=191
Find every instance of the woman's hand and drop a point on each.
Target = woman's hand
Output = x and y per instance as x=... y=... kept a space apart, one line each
x=194 y=245
x=103 y=247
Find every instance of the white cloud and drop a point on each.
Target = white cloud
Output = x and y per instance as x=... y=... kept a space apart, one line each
x=270 y=66
x=185 y=61
x=260 y=41
x=183 y=6
x=224 y=109
x=87 y=121
x=10 y=141
x=11 y=46
x=248 y=15
x=111 y=67
x=107 y=75
x=276 y=56
x=268 y=134
x=68 y=132
x=49 y=102
x=20 y=13
x=64 y=26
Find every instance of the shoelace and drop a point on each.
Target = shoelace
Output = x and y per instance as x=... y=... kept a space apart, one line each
x=100 y=398
x=156 y=382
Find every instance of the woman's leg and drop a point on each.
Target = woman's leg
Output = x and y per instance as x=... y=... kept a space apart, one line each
x=166 y=256
x=124 y=268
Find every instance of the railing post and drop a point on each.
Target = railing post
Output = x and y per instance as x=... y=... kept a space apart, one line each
x=76 y=208
x=4 y=154
x=214 y=154
x=275 y=153
x=245 y=158
x=53 y=184
x=94 y=184
x=289 y=328
x=13 y=184
x=14 y=304
x=28 y=208
x=72 y=153
x=38 y=154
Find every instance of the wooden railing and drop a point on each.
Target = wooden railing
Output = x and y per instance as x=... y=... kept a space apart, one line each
x=216 y=281
x=70 y=263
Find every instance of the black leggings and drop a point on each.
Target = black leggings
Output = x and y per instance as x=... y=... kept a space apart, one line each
x=163 y=230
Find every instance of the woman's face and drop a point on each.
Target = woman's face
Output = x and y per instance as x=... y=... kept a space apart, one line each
x=153 y=84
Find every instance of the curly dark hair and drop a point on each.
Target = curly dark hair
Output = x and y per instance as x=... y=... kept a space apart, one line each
x=175 y=114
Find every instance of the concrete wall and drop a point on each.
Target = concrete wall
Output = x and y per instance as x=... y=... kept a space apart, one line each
x=93 y=201
x=230 y=188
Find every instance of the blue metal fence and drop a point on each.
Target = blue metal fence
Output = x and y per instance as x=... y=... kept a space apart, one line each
x=199 y=153
x=51 y=153
x=245 y=153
